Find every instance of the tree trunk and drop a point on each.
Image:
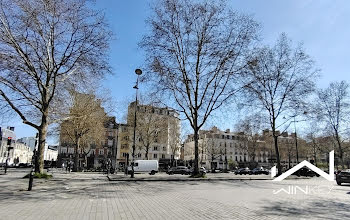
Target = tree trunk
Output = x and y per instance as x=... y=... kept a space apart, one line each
x=147 y=149
x=340 y=149
x=196 y=170
x=212 y=162
x=279 y=168
x=76 y=154
x=225 y=158
x=39 y=163
x=289 y=164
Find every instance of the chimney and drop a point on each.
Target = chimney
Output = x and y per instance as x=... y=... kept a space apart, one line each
x=227 y=130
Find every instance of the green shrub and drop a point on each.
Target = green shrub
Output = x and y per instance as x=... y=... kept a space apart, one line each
x=40 y=176
x=199 y=175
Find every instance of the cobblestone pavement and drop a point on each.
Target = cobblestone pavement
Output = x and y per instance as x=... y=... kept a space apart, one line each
x=91 y=196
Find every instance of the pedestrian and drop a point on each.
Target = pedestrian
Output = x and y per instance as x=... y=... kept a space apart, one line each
x=68 y=166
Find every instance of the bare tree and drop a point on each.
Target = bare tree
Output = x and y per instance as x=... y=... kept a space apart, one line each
x=279 y=79
x=212 y=150
x=44 y=44
x=149 y=128
x=251 y=126
x=194 y=52
x=333 y=107
x=174 y=137
x=85 y=124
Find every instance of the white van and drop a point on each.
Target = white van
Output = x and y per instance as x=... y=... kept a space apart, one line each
x=145 y=166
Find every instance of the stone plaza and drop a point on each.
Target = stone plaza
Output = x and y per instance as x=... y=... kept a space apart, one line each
x=93 y=196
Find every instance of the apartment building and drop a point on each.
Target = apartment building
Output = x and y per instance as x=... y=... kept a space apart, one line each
x=157 y=135
x=219 y=149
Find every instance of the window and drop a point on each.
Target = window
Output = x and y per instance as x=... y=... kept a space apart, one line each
x=163 y=156
x=125 y=154
x=110 y=143
x=155 y=148
x=124 y=146
x=236 y=158
x=155 y=156
x=136 y=164
x=230 y=144
x=101 y=152
x=164 y=148
x=126 y=138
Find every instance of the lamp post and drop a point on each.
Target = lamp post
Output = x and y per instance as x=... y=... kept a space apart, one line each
x=138 y=73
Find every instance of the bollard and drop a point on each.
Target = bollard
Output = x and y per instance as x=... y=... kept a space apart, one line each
x=31 y=177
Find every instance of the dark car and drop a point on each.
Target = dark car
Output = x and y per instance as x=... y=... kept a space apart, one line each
x=179 y=170
x=343 y=177
x=201 y=170
x=241 y=171
x=23 y=165
x=258 y=171
x=305 y=172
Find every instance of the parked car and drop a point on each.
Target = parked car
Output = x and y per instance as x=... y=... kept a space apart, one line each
x=201 y=170
x=145 y=166
x=305 y=172
x=343 y=177
x=23 y=165
x=179 y=170
x=258 y=171
x=241 y=171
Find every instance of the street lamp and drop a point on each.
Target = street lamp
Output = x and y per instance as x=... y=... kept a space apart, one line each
x=138 y=73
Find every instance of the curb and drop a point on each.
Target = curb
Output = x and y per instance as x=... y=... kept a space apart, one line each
x=179 y=180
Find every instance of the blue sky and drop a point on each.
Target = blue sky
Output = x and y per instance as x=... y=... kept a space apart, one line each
x=323 y=27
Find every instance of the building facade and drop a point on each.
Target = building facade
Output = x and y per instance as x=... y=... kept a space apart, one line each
x=157 y=135
x=5 y=151
x=29 y=141
x=20 y=154
x=97 y=154
x=226 y=150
